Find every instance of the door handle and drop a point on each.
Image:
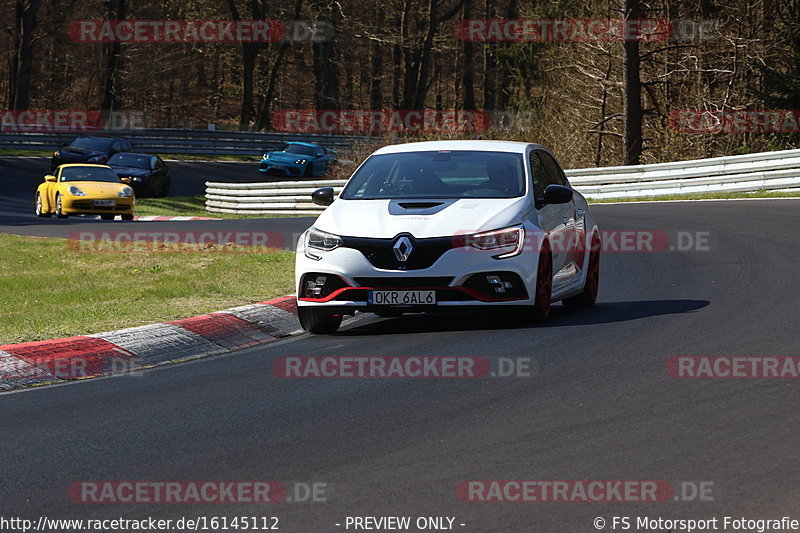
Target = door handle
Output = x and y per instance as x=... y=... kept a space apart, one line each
x=565 y=220
x=581 y=211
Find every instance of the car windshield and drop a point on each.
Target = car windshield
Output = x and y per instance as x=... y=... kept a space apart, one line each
x=92 y=143
x=442 y=174
x=297 y=149
x=130 y=160
x=89 y=174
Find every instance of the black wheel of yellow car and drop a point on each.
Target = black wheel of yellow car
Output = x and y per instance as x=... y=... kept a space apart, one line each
x=127 y=217
x=40 y=208
x=107 y=217
x=59 y=211
x=318 y=320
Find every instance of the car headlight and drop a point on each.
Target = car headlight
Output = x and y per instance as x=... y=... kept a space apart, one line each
x=321 y=240
x=125 y=192
x=266 y=156
x=501 y=238
x=135 y=178
x=96 y=159
x=56 y=154
x=75 y=191
x=300 y=162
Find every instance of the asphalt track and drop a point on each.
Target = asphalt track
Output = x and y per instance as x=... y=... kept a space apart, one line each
x=600 y=406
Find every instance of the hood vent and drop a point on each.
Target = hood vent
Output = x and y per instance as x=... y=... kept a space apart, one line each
x=419 y=205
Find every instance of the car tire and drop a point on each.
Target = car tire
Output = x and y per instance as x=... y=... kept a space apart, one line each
x=544 y=285
x=40 y=207
x=126 y=217
x=309 y=172
x=318 y=320
x=59 y=212
x=588 y=296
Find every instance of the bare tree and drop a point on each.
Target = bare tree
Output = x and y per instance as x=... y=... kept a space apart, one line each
x=250 y=51
x=632 y=86
x=117 y=10
x=22 y=57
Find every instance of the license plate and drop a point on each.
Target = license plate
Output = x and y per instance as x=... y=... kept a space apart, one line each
x=401 y=298
x=104 y=202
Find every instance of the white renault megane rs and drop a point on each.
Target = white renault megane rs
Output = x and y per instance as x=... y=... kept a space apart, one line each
x=448 y=225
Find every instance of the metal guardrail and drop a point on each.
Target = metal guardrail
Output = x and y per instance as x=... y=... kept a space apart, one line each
x=740 y=173
x=211 y=142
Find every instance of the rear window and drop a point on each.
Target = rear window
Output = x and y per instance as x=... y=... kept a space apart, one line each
x=131 y=160
x=92 y=143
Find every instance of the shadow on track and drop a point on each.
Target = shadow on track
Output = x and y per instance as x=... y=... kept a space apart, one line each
x=601 y=313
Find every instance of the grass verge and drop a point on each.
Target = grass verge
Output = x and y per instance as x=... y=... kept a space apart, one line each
x=700 y=196
x=50 y=290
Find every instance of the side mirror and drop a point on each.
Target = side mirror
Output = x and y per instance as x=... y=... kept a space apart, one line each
x=557 y=194
x=323 y=196
x=49 y=177
x=126 y=179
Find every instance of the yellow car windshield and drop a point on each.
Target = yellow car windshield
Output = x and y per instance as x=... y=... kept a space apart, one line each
x=89 y=174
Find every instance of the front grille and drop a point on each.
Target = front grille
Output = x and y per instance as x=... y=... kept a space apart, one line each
x=380 y=254
x=403 y=283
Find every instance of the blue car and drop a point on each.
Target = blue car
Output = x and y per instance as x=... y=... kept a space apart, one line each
x=298 y=159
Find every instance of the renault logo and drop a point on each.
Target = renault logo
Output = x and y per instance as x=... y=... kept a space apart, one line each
x=402 y=249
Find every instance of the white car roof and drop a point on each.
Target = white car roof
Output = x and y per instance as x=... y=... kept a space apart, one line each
x=486 y=146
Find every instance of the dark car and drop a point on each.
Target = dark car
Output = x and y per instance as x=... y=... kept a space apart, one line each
x=298 y=159
x=148 y=173
x=89 y=149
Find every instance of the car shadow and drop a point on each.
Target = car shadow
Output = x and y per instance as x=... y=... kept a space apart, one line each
x=601 y=313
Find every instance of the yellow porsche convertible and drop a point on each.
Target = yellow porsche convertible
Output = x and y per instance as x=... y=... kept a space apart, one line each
x=79 y=189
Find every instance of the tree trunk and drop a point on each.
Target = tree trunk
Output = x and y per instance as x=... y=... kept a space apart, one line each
x=326 y=76
x=376 y=63
x=111 y=99
x=250 y=51
x=467 y=80
x=489 y=66
x=23 y=54
x=632 y=86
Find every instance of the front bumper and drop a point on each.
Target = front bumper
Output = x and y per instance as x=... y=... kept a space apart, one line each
x=83 y=205
x=289 y=169
x=459 y=277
